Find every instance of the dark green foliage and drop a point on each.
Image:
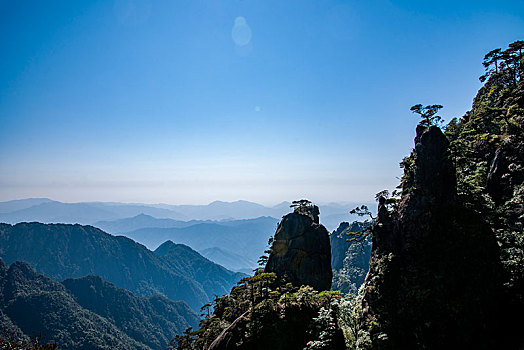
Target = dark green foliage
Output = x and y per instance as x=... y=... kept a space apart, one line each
x=150 y=321
x=256 y=316
x=72 y=251
x=508 y=61
x=214 y=279
x=363 y=210
x=84 y=313
x=13 y=341
x=487 y=144
x=437 y=275
x=302 y=203
x=427 y=114
x=42 y=309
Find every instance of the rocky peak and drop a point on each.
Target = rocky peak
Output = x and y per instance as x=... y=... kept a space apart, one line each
x=433 y=174
x=434 y=278
x=301 y=251
x=309 y=210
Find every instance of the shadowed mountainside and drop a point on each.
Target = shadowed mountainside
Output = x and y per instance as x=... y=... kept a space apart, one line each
x=245 y=237
x=38 y=305
x=215 y=279
x=435 y=277
x=71 y=251
x=349 y=259
x=152 y=321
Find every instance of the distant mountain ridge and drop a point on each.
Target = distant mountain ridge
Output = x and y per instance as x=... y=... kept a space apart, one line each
x=77 y=213
x=229 y=260
x=19 y=204
x=247 y=237
x=49 y=211
x=142 y=221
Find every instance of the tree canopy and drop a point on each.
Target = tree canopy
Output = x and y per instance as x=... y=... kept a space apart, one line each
x=302 y=203
x=428 y=114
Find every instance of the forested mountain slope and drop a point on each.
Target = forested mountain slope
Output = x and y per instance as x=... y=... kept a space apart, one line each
x=152 y=321
x=71 y=251
x=36 y=305
x=215 y=279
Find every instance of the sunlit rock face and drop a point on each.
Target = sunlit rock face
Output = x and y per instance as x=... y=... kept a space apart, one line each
x=339 y=245
x=435 y=275
x=301 y=251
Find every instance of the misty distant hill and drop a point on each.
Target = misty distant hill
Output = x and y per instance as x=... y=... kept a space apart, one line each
x=57 y=212
x=142 y=221
x=63 y=251
x=93 y=213
x=229 y=260
x=19 y=204
x=79 y=213
x=247 y=238
x=219 y=210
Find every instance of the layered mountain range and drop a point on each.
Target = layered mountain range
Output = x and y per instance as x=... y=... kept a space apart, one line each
x=63 y=251
x=99 y=213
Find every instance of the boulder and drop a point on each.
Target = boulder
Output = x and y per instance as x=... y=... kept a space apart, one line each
x=301 y=251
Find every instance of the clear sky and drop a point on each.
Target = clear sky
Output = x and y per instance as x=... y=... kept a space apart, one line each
x=263 y=100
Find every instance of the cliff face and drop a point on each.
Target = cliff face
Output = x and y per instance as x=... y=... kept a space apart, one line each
x=435 y=276
x=285 y=307
x=339 y=245
x=301 y=252
x=349 y=259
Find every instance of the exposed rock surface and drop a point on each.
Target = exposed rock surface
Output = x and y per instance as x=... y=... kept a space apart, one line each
x=301 y=252
x=496 y=183
x=339 y=245
x=349 y=259
x=505 y=170
x=435 y=275
x=231 y=335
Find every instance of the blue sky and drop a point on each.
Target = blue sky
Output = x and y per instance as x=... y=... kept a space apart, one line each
x=194 y=101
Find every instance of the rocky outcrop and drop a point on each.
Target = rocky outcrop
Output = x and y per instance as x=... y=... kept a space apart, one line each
x=301 y=253
x=435 y=275
x=497 y=180
x=349 y=258
x=506 y=171
x=339 y=245
x=231 y=335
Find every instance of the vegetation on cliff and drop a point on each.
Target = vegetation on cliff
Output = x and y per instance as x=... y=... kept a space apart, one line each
x=487 y=146
x=437 y=275
x=277 y=308
x=256 y=315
